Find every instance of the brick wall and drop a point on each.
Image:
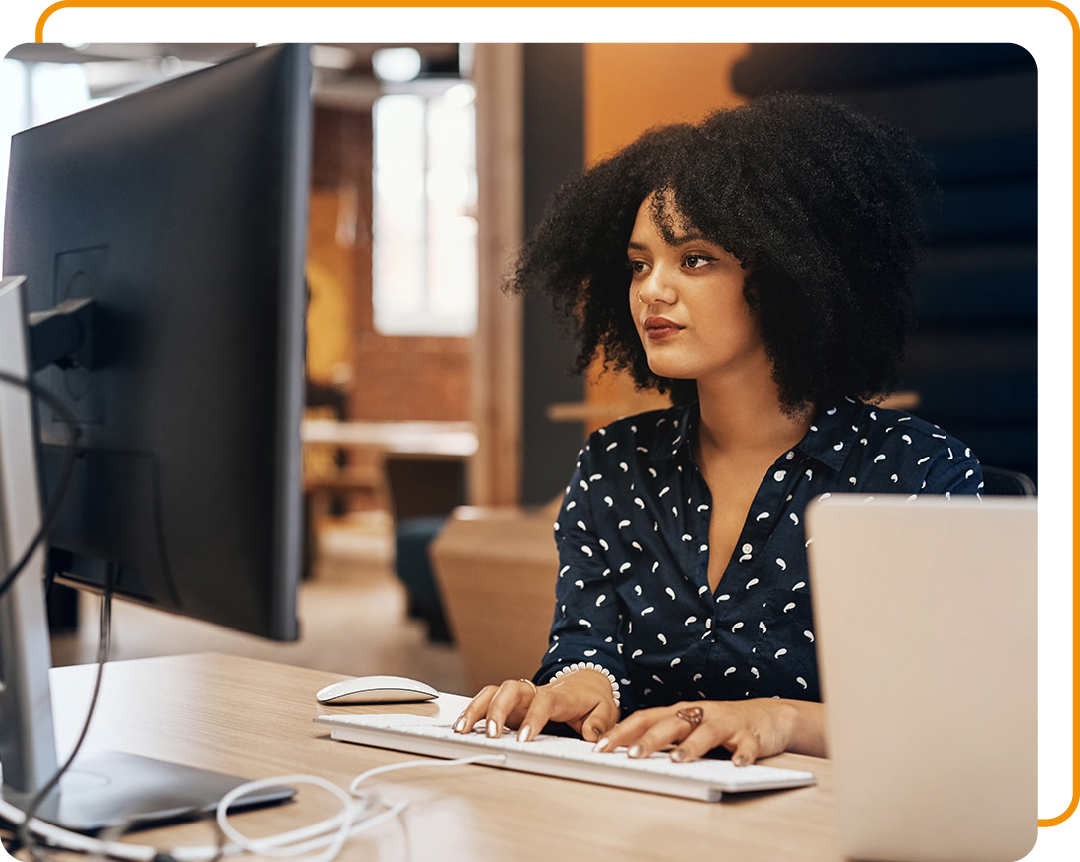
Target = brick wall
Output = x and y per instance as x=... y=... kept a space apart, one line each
x=392 y=377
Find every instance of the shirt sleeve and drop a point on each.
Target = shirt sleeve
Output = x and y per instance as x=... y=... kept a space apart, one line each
x=953 y=470
x=587 y=618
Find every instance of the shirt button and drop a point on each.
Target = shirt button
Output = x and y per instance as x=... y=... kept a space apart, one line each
x=747 y=548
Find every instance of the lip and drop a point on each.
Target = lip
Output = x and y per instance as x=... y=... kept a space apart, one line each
x=660 y=327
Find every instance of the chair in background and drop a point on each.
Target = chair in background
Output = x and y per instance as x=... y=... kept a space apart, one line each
x=1000 y=482
x=496 y=568
x=423 y=491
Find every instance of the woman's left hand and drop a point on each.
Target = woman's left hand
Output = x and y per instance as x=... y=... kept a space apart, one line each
x=749 y=729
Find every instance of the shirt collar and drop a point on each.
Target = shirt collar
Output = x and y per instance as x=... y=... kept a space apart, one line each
x=674 y=427
x=832 y=433
x=829 y=438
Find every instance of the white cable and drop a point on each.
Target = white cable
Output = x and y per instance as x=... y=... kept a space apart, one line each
x=76 y=840
x=278 y=845
x=343 y=824
x=199 y=854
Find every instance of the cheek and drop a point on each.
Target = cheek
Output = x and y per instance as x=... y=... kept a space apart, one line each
x=738 y=311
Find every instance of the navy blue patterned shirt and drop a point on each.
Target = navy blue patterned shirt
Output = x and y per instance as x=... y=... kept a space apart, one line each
x=632 y=592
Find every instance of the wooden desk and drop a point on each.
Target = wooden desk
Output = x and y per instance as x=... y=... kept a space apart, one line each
x=255 y=718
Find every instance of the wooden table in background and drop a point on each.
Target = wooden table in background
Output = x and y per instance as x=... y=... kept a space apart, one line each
x=453 y=439
x=369 y=448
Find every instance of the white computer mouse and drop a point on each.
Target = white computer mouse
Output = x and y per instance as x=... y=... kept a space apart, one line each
x=376 y=689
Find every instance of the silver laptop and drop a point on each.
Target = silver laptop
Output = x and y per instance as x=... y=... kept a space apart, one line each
x=925 y=624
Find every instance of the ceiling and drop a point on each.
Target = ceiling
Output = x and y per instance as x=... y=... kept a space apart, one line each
x=343 y=71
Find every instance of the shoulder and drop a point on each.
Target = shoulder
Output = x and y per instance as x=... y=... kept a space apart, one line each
x=944 y=463
x=641 y=433
x=899 y=426
x=884 y=421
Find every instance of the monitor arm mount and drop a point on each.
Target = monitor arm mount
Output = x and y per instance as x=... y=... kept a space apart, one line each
x=63 y=335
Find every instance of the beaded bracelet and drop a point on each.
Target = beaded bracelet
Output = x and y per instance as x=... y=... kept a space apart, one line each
x=588 y=665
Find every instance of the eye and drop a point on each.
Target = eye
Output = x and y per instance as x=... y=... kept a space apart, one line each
x=637 y=266
x=696 y=261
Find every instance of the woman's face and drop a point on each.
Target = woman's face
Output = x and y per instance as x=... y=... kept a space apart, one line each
x=687 y=302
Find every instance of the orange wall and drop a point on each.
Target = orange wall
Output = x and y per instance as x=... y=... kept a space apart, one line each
x=628 y=89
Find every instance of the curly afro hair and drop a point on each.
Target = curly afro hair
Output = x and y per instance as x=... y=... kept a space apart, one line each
x=821 y=205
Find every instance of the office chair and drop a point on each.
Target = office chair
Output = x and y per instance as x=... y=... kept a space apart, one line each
x=424 y=490
x=998 y=482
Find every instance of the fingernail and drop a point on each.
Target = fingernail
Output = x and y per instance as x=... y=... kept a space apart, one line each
x=635 y=751
x=459 y=725
x=523 y=734
x=602 y=744
x=678 y=755
x=739 y=761
x=492 y=729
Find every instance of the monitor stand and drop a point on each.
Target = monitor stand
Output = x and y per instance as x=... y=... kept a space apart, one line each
x=102 y=788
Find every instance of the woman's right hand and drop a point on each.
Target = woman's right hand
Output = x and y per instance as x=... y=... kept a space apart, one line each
x=582 y=699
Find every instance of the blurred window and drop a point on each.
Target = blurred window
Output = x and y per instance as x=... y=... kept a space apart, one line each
x=424 y=233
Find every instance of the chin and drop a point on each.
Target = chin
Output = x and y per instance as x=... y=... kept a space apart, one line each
x=671 y=371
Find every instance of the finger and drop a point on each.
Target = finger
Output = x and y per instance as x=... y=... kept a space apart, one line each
x=538 y=714
x=699 y=742
x=662 y=734
x=508 y=706
x=475 y=710
x=625 y=732
x=599 y=721
x=747 y=748
x=743 y=742
x=645 y=732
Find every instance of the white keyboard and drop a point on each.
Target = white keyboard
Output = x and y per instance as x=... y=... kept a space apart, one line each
x=563 y=757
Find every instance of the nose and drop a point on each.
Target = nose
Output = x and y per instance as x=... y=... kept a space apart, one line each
x=657 y=286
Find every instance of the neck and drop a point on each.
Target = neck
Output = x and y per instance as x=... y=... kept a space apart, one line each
x=749 y=419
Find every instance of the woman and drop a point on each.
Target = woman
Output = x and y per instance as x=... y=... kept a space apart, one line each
x=756 y=267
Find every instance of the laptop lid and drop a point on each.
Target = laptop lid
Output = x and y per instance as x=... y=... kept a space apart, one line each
x=926 y=630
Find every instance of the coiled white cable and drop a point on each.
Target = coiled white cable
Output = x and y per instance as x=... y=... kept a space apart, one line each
x=329 y=834
x=285 y=844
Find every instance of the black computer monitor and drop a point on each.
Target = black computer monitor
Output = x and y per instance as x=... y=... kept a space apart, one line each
x=181 y=212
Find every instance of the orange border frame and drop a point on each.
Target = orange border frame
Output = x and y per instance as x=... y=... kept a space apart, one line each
x=1058 y=832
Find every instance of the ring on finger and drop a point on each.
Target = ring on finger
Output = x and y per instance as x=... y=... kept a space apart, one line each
x=693 y=716
x=529 y=683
